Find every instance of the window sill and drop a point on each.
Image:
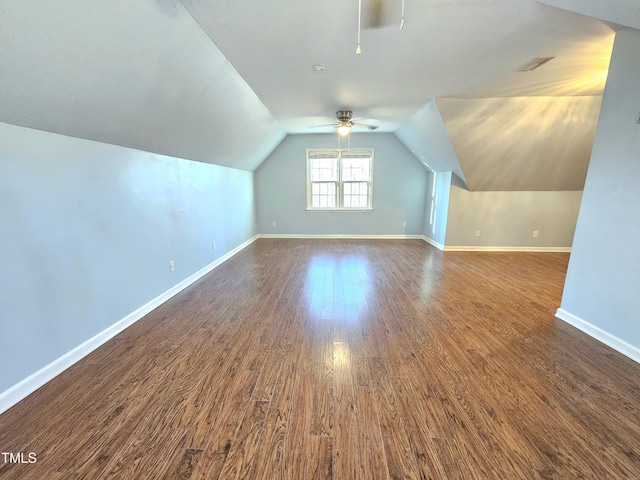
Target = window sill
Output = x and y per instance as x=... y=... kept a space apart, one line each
x=340 y=210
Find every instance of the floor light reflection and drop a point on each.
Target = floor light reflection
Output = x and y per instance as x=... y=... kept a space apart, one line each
x=337 y=287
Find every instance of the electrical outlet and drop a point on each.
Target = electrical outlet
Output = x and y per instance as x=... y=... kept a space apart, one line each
x=404 y=224
x=477 y=233
x=213 y=245
x=172 y=266
x=535 y=233
x=273 y=224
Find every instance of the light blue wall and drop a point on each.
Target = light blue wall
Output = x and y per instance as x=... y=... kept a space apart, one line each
x=399 y=190
x=602 y=286
x=88 y=230
x=508 y=219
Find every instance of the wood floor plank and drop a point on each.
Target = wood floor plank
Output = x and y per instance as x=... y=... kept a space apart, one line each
x=400 y=459
x=343 y=359
x=318 y=458
x=269 y=462
x=245 y=445
x=321 y=369
x=294 y=464
x=183 y=464
x=345 y=434
x=372 y=462
x=208 y=467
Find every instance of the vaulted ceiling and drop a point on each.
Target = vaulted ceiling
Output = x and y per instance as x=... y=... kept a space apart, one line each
x=223 y=81
x=136 y=73
x=448 y=48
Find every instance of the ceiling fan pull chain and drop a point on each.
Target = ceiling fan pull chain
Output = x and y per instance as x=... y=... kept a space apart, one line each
x=358 y=51
x=402 y=17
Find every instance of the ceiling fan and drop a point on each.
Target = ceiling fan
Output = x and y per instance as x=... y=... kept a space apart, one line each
x=345 y=122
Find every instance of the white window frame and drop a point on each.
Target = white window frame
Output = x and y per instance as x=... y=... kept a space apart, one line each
x=340 y=182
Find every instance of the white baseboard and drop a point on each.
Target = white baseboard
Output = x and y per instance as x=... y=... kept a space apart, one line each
x=471 y=248
x=612 y=341
x=13 y=395
x=474 y=248
x=341 y=236
x=431 y=241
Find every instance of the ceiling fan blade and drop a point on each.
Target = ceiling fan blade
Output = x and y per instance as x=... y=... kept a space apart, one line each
x=370 y=127
x=327 y=125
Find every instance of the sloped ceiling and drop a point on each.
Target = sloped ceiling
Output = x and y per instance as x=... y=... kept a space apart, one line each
x=522 y=143
x=222 y=81
x=140 y=74
x=621 y=12
x=448 y=48
x=454 y=49
x=522 y=130
x=425 y=135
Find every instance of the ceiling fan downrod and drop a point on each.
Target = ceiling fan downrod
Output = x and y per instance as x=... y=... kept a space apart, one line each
x=358 y=51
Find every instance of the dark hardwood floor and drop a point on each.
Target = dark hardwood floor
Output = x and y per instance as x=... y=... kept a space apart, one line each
x=344 y=359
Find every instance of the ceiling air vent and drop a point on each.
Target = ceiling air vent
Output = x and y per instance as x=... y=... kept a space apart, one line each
x=535 y=63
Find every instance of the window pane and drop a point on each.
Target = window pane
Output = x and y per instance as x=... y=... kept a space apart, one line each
x=356 y=169
x=323 y=195
x=358 y=196
x=345 y=172
x=323 y=169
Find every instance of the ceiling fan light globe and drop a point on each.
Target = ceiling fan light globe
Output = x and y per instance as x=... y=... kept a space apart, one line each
x=344 y=130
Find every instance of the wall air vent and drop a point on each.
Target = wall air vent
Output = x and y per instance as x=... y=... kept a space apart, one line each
x=535 y=63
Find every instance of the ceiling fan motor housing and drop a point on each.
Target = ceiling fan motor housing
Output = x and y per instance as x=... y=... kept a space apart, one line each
x=344 y=116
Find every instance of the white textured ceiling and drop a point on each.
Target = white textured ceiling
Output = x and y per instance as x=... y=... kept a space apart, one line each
x=448 y=48
x=221 y=81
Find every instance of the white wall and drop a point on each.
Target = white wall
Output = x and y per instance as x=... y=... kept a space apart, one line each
x=602 y=288
x=508 y=219
x=88 y=230
x=399 y=188
x=437 y=207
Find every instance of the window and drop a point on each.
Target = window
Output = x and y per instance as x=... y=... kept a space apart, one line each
x=339 y=179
